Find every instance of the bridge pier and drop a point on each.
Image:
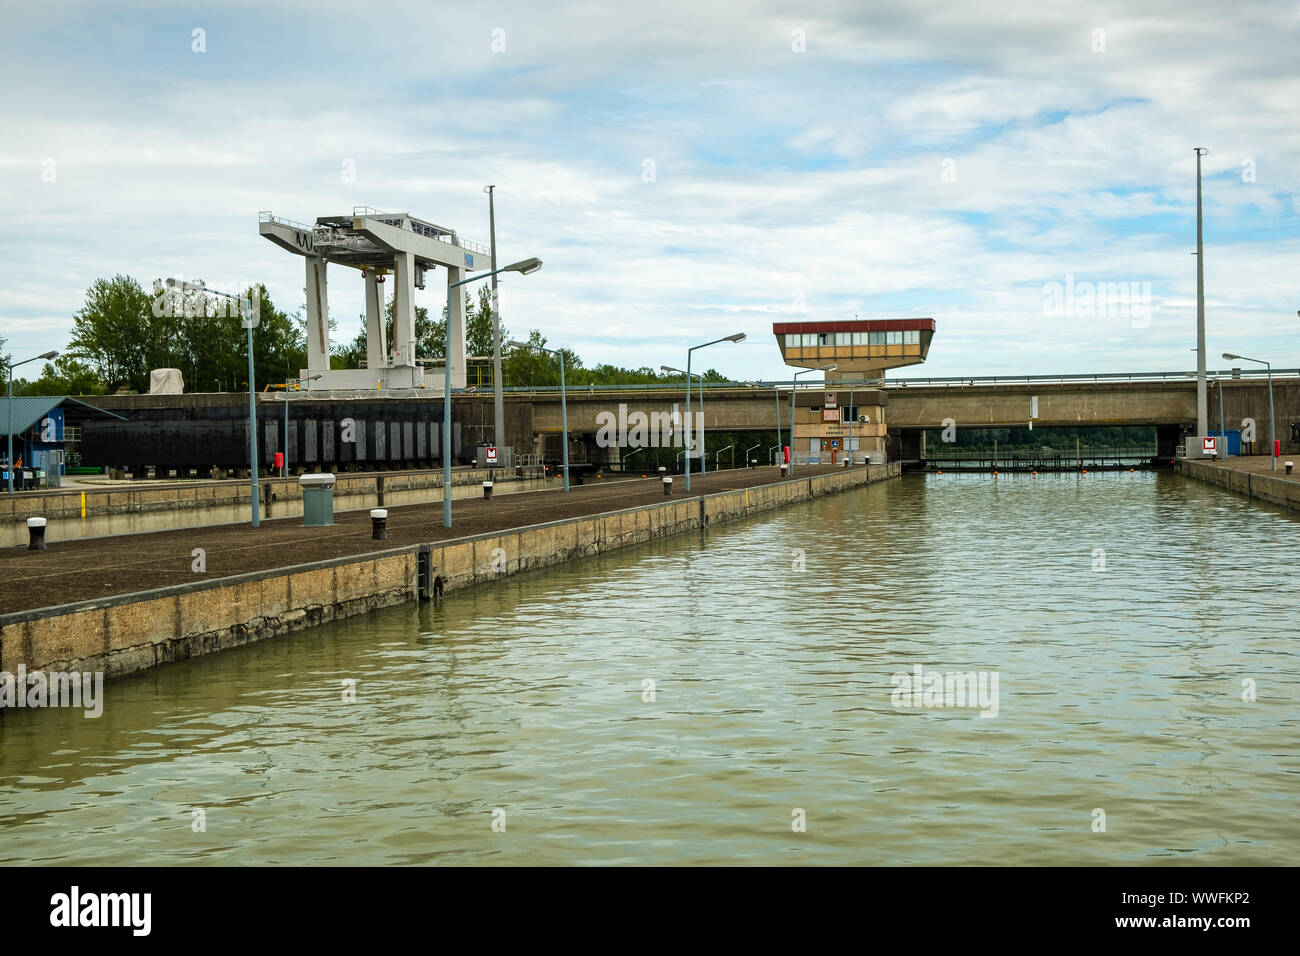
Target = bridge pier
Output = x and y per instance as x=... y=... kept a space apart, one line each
x=1168 y=437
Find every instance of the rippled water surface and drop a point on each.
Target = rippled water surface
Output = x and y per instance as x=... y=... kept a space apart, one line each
x=1119 y=690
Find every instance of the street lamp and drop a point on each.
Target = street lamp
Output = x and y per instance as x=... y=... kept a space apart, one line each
x=678 y=371
x=284 y=472
x=9 y=464
x=523 y=267
x=776 y=393
x=250 y=322
x=738 y=337
x=793 y=389
x=1272 y=436
x=564 y=407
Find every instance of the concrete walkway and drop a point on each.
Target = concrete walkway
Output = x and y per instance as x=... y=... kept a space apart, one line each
x=1260 y=465
x=94 y=568
x=1252 y=477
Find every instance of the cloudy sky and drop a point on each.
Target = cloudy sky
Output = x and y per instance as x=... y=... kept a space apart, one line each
x=686 y=170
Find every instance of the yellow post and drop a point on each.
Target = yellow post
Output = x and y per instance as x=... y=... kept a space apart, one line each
x=83 y=504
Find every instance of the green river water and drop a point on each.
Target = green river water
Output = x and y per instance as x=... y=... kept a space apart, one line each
x=514 y=722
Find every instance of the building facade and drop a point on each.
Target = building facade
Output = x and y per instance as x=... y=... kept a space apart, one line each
x=846 y=417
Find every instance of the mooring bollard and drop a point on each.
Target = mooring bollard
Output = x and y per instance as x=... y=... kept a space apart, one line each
x=379 y=524
x=784 y=469
x=668 y=485
x=487 y=490
x=36 y=534
x=1288 y=466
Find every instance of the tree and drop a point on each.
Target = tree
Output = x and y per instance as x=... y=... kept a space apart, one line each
x=64 y=376
x=107 y=332
x=430 y=334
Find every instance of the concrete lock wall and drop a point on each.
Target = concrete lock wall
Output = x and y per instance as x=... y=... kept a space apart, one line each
x=1266 y=488
x=133 y=632
x=121 y=510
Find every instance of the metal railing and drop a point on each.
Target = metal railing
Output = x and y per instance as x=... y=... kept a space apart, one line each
x=1040 y=458
x=967 y=381
x=428 y=230
x=1098 y=378
x=266 y=216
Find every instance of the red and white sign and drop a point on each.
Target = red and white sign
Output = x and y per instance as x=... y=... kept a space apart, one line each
x=1210 y=445
x=491 y=454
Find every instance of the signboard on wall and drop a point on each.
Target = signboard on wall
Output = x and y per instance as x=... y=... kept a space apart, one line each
x=830 y=400
x=830 y=414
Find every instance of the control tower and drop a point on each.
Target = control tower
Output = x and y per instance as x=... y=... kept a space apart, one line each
x=847 y=418
x=379 y=244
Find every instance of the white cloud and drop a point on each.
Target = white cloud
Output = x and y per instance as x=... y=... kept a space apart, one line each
x=776 y=171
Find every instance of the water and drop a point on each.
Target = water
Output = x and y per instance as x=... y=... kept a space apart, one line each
x=1119 y=690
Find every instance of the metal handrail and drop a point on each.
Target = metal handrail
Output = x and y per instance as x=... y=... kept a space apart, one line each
x=1100 y=377
x=1180 y=377
x=266 y=216
x=1025 y=454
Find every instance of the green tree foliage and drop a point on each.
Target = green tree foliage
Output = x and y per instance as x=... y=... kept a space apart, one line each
x=64 y=376
x=122 y=333
x=112 y=332
x=430 y=334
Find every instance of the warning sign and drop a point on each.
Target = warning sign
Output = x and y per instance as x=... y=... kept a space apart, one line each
x=491 y=454
x=1210 y=445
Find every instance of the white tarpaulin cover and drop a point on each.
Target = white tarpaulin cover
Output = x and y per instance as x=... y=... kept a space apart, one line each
x=166 y=381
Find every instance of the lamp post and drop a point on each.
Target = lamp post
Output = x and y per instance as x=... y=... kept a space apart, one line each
x=776 y=392
x=794 y=389
x=249 y=321
x=738 y=337
x=677 y=371
x=564 y=407
x=498 y=401
x=1202 y=415
x=284 y=470
x=524 y=267
x=853 y=414
x=1272 y=436
x=9 y=464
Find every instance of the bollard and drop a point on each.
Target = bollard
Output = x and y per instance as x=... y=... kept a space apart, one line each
x=379 y=524
x=784 y=469
x=668 y=485
x=487 y=490
x=1288 y=466
x=753 y=463
x=36 y=534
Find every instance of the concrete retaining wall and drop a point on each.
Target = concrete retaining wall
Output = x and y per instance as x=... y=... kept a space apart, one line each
x=1280 y=491
x=133 y=632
